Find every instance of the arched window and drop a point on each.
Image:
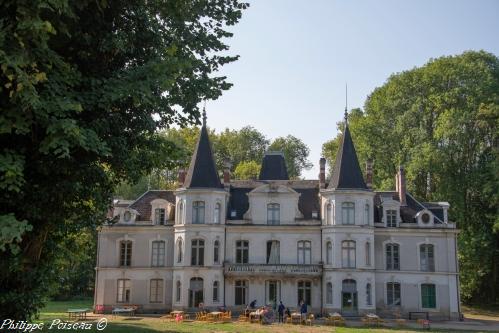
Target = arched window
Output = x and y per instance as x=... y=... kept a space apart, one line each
x=273 y=213
x=217 y=213
x=367 y=213
x=328 y=214
x=273 y=249
x=368 y=254
x=305 y=292
x=392 y=257
x=427 y=257
x=393 y=294
x=178 y=291
x=216 y=252
x=348 y=254
x=197 y=252
x=196 y=294
x=304 y=252
x=180 y=214
x=348 y=213
x=215 y=292
x=158 y=254
x=329 y=293
x=180 y=250
x=198 y=212
x=368 y=294
x=126 y=253
x=329 y=253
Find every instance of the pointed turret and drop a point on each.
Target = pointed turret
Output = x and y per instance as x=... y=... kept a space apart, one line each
x=346 y=171
x=202 y=171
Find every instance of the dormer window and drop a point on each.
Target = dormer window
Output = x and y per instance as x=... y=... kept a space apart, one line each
x=233 y=213
x=366 y=214
x=217 y=213
x=198 y=212
x=159 y=216
x=315 y=214
x=391 y=218
x=127 y=216
x=348 y=213
x=273 y=213
x=425 y=218
x=328 y=214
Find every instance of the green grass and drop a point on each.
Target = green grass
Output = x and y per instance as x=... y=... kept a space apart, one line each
x=144 y=324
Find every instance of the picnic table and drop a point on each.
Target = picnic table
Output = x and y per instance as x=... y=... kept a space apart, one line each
x=215 y=315
x=295 y=317
x=128 y=310
x=78 y=313
x=372 y=318
x=255 y=315
x=334 y=319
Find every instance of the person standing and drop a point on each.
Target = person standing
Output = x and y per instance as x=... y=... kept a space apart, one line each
x=280 y=310
x=303 y=310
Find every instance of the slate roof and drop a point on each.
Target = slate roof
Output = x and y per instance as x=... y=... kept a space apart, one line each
x=143 y=204
x=346 y=171
x=202 y=171
x=273 y=167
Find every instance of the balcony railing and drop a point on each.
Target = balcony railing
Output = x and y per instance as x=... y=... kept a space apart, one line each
x=272 y=269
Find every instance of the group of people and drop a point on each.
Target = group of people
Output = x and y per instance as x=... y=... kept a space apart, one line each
x=268 y=314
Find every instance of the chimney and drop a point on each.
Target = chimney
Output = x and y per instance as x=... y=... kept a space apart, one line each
x=401 y=186
x=369 y=173
x=322 y=172
x=227 y=166
x=181 y=176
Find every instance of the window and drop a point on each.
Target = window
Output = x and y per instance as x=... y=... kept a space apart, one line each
x=127 y=216
x=328 y=214
x=368 y=294
x=368 y=254
x=159 y=216
x=391 y=218
x=197 y=252
x=392 y=257
x=216 y=252
x=329 y=253
x=124 y=288
x=156 y=291
x=428 y=296
x=198 y=212
x=178 y=291
x=215 y=291
x=196 y=292
x=305 y=292
x=158 y=253
x=348 y=254
x=329 y=293
x=242 y=252
x=180 y=250
x=126 y=253
x=273 y=248
x=304 y=252
x=273 y=213
x=180 y=214
x=348 y=213
x=241 y=292
x=427 y=258
x=273 y=291
x=217 y=214
x=392 y=293
x=366 y=214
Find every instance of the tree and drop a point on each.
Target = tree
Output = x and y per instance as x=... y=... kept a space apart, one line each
x=247 y=170
x=84 y=87
x=295 y=153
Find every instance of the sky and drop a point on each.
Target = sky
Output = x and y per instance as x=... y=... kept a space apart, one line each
x=297 y=56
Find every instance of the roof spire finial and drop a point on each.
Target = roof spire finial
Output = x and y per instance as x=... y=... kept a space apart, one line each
x=346 y=102
x=204 y=114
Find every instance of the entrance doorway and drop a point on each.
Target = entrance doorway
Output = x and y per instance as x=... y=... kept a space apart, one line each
x=349 y=297
x=195 y=292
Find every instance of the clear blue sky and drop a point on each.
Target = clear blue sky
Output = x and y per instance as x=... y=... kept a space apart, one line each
x=295 y=57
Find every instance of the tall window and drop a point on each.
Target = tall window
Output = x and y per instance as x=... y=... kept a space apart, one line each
x=329 y=293
x=428 y=296
x=348 y=254
x=159 y=216
x=217 y=213
x=348 y=213
x=328 y=214
x=216 y=252
x=304 y=252
x=392 y=257
x=329 y=253
x=368 y=294
x=180 y=214
x=126 y=253
x=242 y=252
x=197 y=252
x=273 y=291
x=273 y=213
x=391 y=218
x=215 y=291
x=124 y=288
x=156 y=291
x=393 y=293
x=366 y=214
x=178 y=291
x=241 y=292
x=368 y=254
x=158 y=253
x=305 y=292
x=273 y=249
x=180 y=250
x=198 y=212
x=427 y=257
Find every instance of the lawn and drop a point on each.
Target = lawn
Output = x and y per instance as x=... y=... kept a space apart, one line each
x=144 y=324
